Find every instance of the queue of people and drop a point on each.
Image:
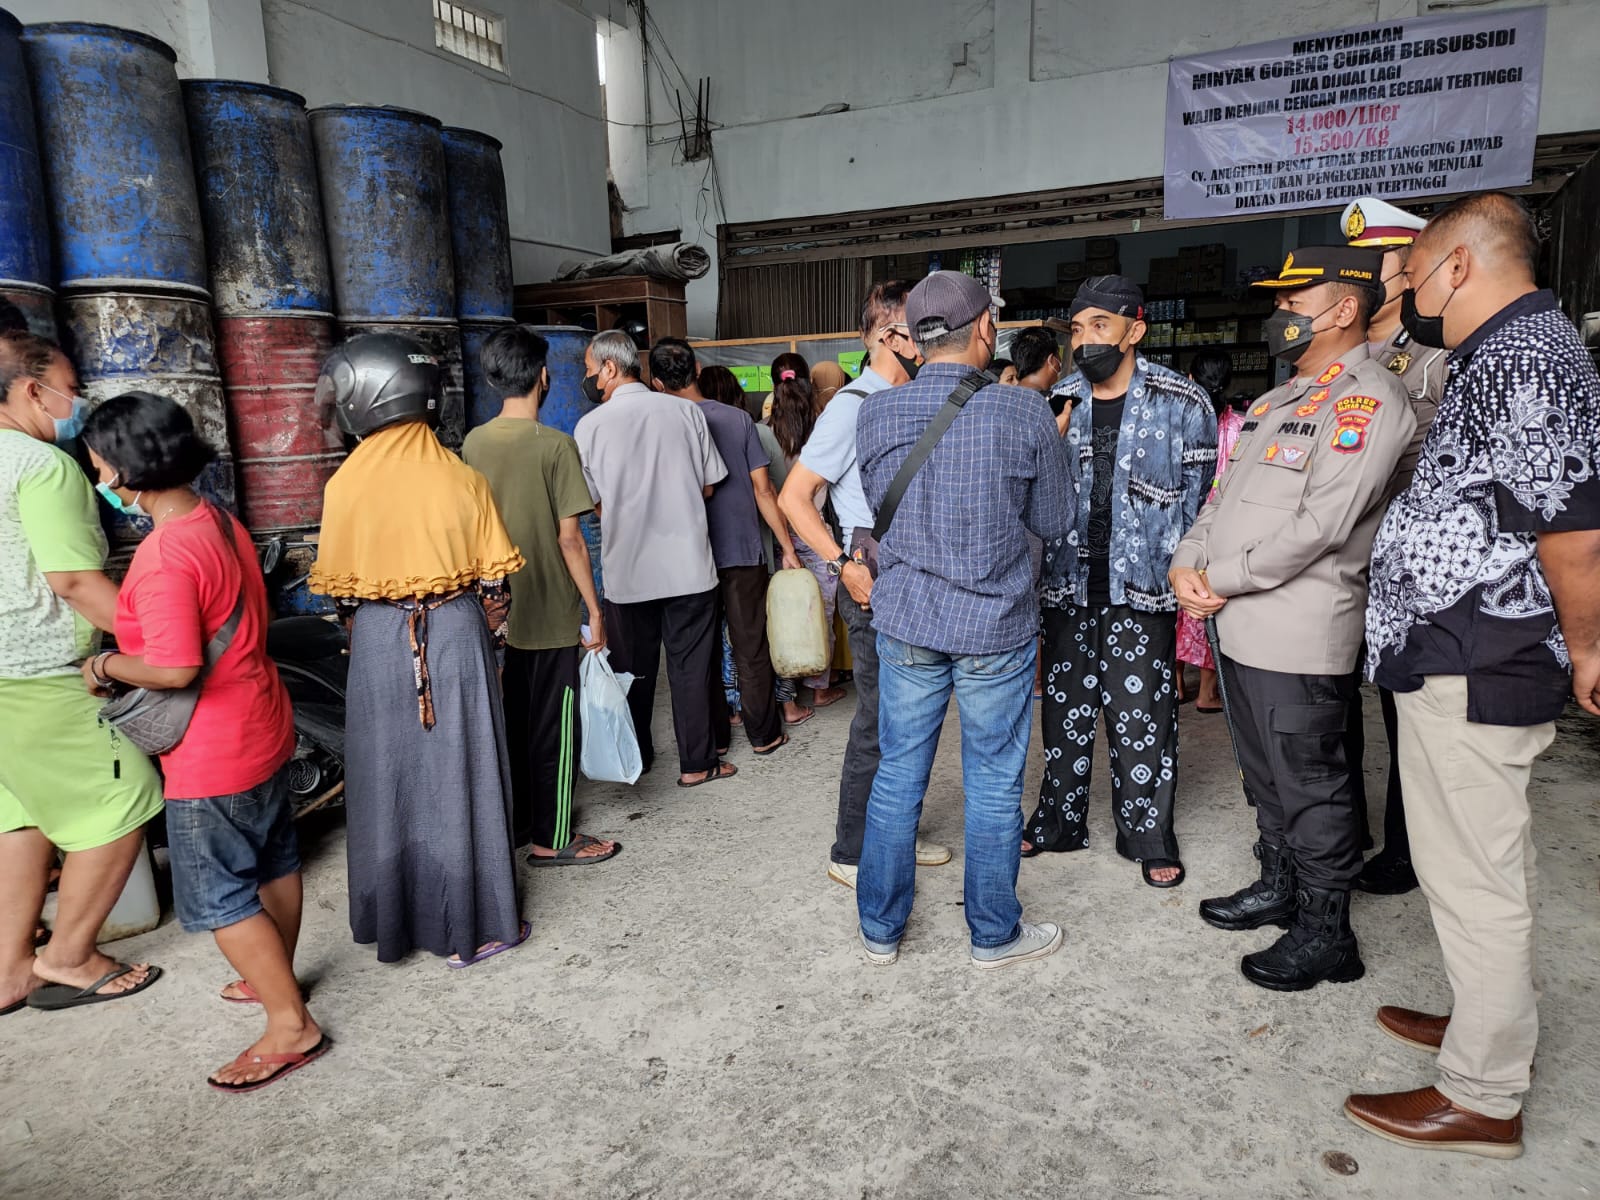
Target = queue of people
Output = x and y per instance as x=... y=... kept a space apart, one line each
x=1117 y=517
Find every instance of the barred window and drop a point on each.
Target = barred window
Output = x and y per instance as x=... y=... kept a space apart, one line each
x=471 y=35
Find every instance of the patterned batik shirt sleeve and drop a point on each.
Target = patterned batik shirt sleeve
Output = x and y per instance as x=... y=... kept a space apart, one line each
x=1051 y=496
x=1199 y=459
x=1544 y=440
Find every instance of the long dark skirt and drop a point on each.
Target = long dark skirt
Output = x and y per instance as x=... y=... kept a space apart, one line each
x=429 y=811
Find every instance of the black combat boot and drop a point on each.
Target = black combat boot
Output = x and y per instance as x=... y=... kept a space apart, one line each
x=1268 y=901
x=1320 y=945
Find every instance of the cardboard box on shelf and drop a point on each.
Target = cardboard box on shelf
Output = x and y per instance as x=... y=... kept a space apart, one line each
x=1071 y=272
x=1101 y=247
x=1104 y=266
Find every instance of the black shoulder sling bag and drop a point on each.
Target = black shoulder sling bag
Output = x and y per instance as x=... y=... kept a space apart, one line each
x=863 y=541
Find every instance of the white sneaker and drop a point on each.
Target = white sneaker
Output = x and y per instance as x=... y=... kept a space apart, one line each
x=1035 y=941
x=843 y=873
x=877 y=955
x=931 y=854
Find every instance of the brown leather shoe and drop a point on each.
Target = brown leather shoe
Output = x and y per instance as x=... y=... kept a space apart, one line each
x=1425 y=1120
x=1417 y=1029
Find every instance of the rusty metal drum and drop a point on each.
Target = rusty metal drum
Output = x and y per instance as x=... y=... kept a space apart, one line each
x=154 y=342
x=285 y=447
x=259 y=199
x=114 y=146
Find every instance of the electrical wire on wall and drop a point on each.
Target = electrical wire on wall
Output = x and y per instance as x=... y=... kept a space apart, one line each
x=710 y=197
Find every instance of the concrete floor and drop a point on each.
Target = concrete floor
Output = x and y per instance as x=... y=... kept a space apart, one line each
x=695 y=1020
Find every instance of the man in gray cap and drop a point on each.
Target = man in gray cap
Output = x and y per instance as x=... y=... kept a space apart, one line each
x=1143 y=453
x=1280 y=558
x=958 y=470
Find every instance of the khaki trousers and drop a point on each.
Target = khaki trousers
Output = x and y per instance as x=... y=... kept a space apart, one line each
x=1466 y=789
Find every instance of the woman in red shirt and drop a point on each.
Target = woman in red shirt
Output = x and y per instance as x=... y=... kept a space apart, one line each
x=235 y=863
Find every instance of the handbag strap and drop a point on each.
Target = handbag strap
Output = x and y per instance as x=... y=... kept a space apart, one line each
x=223 y=638
x=951 y=409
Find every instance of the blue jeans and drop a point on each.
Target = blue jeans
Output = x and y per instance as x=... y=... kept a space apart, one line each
x=994 y=694
x=224 y=848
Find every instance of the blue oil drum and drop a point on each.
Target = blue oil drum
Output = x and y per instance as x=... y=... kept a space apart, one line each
x=259 y=201
x=384 y=207
x=483 y=401
x=154 y=342
x=115 y=150
x=479 y=225
x=565 y=406
x=24 y=228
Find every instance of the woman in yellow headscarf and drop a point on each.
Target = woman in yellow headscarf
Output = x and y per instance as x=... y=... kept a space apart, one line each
x=414 y=552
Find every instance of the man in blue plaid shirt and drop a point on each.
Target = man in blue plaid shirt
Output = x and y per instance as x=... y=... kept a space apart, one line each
x=955 y=610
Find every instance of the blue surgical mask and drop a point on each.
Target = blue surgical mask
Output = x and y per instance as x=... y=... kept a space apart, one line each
x=118 y=504
x=70 y=426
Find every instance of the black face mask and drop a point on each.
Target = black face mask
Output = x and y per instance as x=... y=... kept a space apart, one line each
x=1098 y=362
x=591 y=388
x=1288 y=334
x=909 y=365
x=1429 y=331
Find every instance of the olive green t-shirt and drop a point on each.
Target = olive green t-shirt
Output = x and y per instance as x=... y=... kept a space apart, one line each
x=537 y=479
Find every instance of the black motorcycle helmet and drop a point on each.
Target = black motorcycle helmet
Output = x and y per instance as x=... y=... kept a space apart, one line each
x=380 y=379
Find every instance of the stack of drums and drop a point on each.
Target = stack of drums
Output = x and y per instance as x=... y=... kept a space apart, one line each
x=126 y=224
x=272 y=294
x=271 y=291
x=388 y=224
x=481 y=244
x=25 y=270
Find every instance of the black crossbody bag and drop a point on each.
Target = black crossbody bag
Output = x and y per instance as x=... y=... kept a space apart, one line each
x=864 y=542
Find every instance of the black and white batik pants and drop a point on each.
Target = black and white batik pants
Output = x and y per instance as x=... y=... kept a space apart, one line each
x=1117 y=661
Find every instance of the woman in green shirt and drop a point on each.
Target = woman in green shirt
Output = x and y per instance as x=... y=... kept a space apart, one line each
x=66 y=781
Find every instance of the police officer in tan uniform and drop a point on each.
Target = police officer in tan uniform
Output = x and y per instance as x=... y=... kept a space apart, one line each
x=1378 y=225
x=1279 y=558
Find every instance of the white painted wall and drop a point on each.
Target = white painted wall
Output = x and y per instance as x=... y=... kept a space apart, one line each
x=546 y=110
x=1060 y=93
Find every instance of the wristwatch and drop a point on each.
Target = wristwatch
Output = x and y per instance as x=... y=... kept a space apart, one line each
x=837 y=566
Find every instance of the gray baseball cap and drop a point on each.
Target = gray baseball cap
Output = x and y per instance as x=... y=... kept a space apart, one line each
x=944 y=301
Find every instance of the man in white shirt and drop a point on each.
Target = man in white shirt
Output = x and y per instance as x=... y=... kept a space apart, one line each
x=650 y=464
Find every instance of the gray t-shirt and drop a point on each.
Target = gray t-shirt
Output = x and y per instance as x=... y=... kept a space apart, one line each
x=734 y=518
x=830 y=451
x=646 y=458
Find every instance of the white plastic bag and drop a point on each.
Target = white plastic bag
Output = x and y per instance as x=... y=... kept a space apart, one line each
x=610 y=752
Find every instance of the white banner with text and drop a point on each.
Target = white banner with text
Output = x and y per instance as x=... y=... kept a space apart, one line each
x=1402 y=108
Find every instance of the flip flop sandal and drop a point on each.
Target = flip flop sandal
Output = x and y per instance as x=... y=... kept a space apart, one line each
x=567 y=856
x=11 y=1008
x=55 y=996
x=1030 y=850
x=810 y=712
x=1206 y=708
x=250 y=996
x=782 y=742
x=286 y=1064
x=1156 y=864
x=721 y=771
x=457 y=964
